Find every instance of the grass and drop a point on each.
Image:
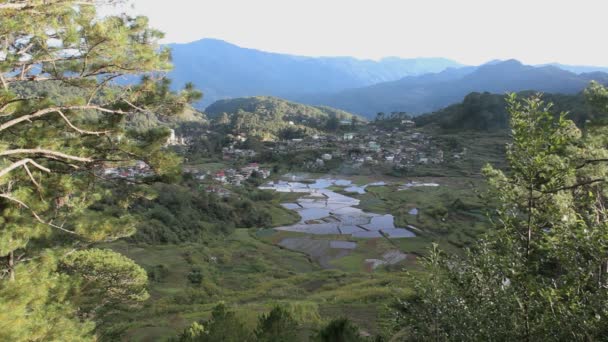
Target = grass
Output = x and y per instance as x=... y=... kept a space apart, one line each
x=281 y=216
x=481 y=148
x=251 y=275
x=449 y=214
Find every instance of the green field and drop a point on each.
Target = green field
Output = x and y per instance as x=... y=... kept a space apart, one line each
x=252 y=276
x=249 y=271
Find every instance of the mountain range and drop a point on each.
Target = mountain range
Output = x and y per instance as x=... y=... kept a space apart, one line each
x=223 y=70
x=430 y=92
x=419 y=85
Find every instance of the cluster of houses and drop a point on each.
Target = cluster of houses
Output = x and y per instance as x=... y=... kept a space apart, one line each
x=399 y=148
x=137 y=171
x=229 y=153
x=237 y=177
x=319 y=163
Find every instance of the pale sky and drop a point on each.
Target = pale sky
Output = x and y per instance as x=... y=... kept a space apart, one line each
x=469 y=31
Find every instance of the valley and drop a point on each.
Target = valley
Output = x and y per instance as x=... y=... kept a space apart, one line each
x=168 y=186
x=343 y=238
x=319 y=276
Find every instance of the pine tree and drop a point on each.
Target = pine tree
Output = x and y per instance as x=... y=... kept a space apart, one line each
x=62 y=121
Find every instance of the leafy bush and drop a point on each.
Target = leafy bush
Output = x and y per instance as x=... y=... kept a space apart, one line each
x=276 y=326
x=195 y=276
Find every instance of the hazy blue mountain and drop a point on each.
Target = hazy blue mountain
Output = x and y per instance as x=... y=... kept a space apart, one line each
x=426 y=93
x=580 y=69
x=224 y=70
x=577 y=69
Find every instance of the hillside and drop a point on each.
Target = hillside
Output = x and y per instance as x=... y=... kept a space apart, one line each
x=271 y=117
x=487 y=112
x=428 y=93
x=223 y=70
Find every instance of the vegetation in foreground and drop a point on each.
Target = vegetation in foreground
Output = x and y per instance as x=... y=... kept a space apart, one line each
x=53 y=147
x=251 y=276
x=541 y=273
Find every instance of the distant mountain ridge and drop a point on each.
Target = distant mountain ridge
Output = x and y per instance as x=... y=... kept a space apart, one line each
x=418 y=85
x=427 y=93
x=223 y=70
x=579 y=69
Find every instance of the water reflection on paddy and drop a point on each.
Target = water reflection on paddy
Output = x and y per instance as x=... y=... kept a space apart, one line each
x=313 y=214
x=326 y=212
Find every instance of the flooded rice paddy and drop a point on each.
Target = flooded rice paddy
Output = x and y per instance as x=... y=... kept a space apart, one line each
x=326 y=212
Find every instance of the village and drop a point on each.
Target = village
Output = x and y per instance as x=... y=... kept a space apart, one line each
x=238 y=176
x=400 y=147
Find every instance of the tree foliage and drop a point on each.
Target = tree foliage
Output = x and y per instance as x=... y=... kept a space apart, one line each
x=488 y=112
x=541 y=274
x=270 y=117
x=62 y=120
x=223 y=326
x=186 y=212
x=276 y=326
x=339 y=330
x=38 y=307
x=105 y=279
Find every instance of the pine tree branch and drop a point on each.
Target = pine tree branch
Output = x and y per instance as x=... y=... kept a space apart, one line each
x=20 y=163
x=8 y=103
x=79 y=130
x=570 y=187
x=29 y=173
x=46 y=153
x=591 y=161
x=3 y=81
x=46 y=111
x=30 y=63
x=25 y=49
x=101 y=85
x=134 y=106
x=36 y=216
x=28 y=5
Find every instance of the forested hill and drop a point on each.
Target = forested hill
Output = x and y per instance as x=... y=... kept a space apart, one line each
x=487 y=112
x=223 y=70
x=271 y=117
x=428 y=93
